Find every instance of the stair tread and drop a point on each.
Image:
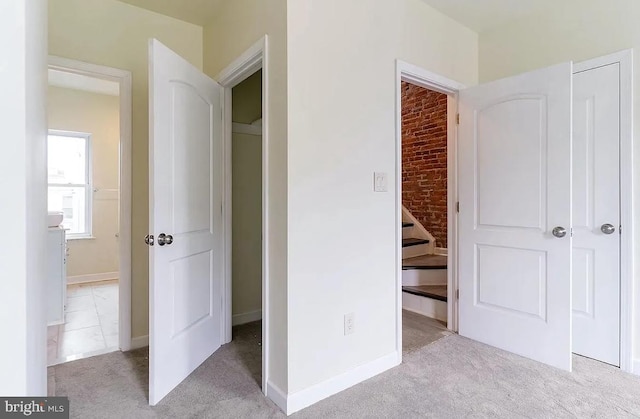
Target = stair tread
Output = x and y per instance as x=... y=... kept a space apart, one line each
x=406 y=224
x=412 y=241
x=425 y=262
x=437 y=292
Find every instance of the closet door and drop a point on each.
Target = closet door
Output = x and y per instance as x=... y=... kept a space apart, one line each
x=515 y=214
x=596 y=213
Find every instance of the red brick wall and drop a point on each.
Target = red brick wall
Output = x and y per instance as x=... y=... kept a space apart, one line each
x=424 y=158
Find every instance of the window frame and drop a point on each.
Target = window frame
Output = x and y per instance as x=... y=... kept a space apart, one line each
x=88 y=222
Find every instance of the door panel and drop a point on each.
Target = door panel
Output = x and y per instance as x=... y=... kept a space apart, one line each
x=185 y=112
x=514 y=188
x=596 y=201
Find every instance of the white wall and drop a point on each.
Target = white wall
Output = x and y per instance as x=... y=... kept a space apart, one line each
x=573 y=30
x=98 y=115
x=342 y=127
x=23 y=55
x=246 y=239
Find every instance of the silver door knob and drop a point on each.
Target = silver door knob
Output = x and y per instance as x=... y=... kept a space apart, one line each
x=149 y=239
x=165 y=239
x=607 y=229
x=559 y=232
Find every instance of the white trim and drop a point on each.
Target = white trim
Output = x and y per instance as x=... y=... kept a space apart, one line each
x=304 y=398
x=250 y=129
x=625 y=59
x=123 y=78
x=423 y=78
x=83 y=279
x=252 y=60
x=139 y=342
x=248 y=317
x=635 y=366
x=277 y=396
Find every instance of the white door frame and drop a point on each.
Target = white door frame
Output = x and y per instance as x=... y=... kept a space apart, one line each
x=423 y=78
x=625 y=60
x=252 y=60
x=123 y=78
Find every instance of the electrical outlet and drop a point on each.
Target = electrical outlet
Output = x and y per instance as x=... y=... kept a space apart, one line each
x=349 y=324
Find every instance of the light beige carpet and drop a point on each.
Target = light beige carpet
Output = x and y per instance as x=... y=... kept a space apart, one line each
x=451 y=378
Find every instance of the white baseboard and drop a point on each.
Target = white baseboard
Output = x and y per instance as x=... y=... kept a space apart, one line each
x=139 y=342
x=441 y=251
x=82 y=279
x=248 y=317
x=277 y=396
x=425 y=306
x=304 y=398
x=635 y=366
x=413 y=277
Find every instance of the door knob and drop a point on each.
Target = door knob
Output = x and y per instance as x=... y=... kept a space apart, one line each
x=148 y=239
x=607 y=229
x=165 y=239
x=559 y=232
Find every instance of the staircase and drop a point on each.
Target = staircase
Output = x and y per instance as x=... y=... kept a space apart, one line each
x=424 y=274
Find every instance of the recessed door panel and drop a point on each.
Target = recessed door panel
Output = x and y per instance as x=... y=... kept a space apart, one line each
x=511 y=134
x=524 y=291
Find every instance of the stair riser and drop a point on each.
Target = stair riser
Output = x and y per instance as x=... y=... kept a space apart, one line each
x=414 y=277
x=413 y=251
x=425 y=306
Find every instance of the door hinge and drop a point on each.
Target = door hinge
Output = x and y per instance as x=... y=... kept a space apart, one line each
x=458 y=206
x=457 y=294
x=458 y=119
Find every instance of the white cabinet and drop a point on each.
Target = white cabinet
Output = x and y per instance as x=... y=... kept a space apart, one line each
x=56 y=275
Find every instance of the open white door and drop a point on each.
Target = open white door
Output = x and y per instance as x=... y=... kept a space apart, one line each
x=514 y=190
x=185 y=113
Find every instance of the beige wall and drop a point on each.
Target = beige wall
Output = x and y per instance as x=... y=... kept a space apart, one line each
x=115 y=34
x=574 y=30
x=239 y=25
x=247 y=100
x=341 y=238
x=98 y=115
x=247 y=223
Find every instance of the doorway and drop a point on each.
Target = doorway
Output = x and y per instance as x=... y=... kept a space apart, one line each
x=246 y=228
x=424 y=214
x=88 y=291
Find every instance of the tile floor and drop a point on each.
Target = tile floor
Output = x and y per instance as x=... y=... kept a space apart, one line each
x=91 y=326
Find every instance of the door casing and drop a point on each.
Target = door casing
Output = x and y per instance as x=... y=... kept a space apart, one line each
x=432 y=81
x=123 y=78
x=252 y=60
x=421 y=77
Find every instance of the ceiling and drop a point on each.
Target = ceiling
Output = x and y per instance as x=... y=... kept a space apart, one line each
x=481 y=15
x=85 y=83
x=199 y=12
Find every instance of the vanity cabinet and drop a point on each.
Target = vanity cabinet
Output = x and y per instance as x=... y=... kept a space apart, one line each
x=56 y=275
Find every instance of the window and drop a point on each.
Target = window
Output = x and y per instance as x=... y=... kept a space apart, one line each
x=69 y=174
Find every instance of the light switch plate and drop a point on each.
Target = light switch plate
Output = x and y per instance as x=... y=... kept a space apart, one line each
x=380 y=182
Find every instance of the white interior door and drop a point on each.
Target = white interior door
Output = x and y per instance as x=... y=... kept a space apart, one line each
x=596 y=213
x=514 y=189
x=185 y=111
